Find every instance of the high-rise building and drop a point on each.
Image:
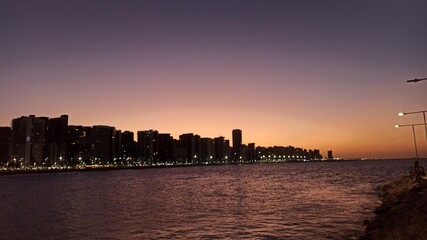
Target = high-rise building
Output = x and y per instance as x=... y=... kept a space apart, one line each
x=219 y=149
x=148 y=147
x=251 y=157
x=330 y=155
x=118 y=146
x=39 y=140
x=28 y=140
x=207 y=150
x=198 y=149
x=188 y=141
x=316 y=153
x=56 y=140
x=5 y=134
x=101 y=140
x=128 y=145
x=77 y=152
x=227 y=151
x=180 y=155
x=165 y=143
x=237 y=145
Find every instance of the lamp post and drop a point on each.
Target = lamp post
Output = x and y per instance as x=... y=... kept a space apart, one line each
x=424 y=115
x=413 y=132
x=416 y=80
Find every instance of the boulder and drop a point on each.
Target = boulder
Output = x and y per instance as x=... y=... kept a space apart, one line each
x=402 y=214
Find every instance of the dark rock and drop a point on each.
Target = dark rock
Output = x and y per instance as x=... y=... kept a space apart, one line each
x=403 y=213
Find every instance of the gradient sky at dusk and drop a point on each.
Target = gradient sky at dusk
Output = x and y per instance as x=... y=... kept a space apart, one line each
x=312 y=74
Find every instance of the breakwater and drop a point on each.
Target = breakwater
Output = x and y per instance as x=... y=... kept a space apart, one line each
x=403 y=212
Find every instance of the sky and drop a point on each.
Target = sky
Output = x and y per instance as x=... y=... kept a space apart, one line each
x=311 y=74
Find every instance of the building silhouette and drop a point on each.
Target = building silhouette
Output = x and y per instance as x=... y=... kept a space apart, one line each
x=197 y=159
x=77 y=151
x=43 y=141
x=180 y=152
x=330 y=155
x=118 y=147
x=165 y=143
x=5 y=136
x=251 y=157
x=188 y=141
x=28 y=140
x=207 y=150
x=227 y=151
x=127 y=146
x=237 y=145
x=101 y=142
x=148 y=147
x=219 y=149
x=56 y=140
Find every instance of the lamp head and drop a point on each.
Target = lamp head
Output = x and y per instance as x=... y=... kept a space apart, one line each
x=401 y=114
x=397 y=126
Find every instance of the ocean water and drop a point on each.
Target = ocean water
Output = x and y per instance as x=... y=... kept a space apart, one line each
x=316 y=200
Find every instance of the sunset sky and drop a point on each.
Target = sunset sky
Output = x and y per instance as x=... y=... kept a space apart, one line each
x=312 y=74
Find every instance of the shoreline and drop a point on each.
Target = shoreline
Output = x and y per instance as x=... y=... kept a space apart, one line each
x=91 y=168
x=403 y=212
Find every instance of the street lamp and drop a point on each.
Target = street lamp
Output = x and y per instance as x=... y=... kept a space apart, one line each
x=416 y=80
x=424 y=115
x=413 y=132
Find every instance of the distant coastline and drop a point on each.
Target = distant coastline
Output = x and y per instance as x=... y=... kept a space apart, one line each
x=97 y=168
x=90 y=168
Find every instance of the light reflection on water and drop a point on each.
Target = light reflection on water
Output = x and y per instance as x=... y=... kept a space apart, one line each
x=259 y=201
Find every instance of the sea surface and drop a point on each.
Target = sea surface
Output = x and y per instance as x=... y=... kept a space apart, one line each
x=316 y=200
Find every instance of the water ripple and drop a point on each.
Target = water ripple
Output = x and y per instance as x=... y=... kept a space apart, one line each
x=257 y=201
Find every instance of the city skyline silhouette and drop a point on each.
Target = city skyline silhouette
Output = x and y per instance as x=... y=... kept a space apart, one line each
x=36 y=141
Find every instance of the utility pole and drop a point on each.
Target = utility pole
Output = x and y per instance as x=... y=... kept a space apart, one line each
x=416 y=80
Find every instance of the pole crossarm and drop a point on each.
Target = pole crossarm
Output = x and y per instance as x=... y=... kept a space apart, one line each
x=410 y=125
x=416 y=80
x=407 y=113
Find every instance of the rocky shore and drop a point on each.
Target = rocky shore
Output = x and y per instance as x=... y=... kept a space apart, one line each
x=402 y=214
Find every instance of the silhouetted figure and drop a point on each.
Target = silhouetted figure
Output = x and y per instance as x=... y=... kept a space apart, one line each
x=417 y=172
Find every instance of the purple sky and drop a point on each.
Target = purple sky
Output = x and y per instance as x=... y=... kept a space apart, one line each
x=314 y=74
